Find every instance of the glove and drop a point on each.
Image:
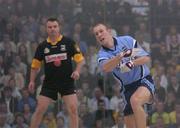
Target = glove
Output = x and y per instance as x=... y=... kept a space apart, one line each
x=127 y=53
x=131 y=52
x=126 y=67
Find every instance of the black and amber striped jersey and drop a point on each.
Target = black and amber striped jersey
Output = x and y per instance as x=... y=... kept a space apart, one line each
x=57 y=58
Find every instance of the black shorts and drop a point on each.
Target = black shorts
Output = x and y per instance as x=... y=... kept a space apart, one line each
x=52 y=90
x=128 y=91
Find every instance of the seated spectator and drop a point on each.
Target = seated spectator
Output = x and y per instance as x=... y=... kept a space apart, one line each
x=119 y=120
x=174 y=86
x=170 y=101
x=2 y=64
x=175 y=115
x=20 y=66
x=104 y=114
x=87 y=89
x=27 y=113
x=85 y=116
x=50 y=120
x=10 y=100
x=12 y=74
x=160 y=91
x=160 y=72
x=82 y=98
x=3 y=115
x=160 y=123
x=15 y=91
x=26 y=99
x=98 y=95
x=60 y=122
x=82 y=44
x=160 y=113
x=86 y=76
x=64 y=114
x=141 y=7
x=19 y=121
x=173 y=40
x=116 y=100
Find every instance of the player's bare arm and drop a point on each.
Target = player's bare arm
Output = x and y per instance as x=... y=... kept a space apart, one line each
x=141 y=60
x=76 y=74
x=112 y=63
x=33 y=74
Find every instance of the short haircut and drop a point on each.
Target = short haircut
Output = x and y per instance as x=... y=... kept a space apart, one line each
x=108 y=26
x=52 y=19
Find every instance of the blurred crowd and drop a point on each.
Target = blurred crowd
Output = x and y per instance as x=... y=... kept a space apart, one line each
x=155 y=25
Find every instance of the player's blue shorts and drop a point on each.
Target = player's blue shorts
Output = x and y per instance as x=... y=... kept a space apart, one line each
x=128 y=90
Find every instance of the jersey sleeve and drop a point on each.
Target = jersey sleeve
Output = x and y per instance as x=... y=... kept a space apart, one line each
x=133 y=44
x=102 y=57
x=77 y=54
x=38 y=57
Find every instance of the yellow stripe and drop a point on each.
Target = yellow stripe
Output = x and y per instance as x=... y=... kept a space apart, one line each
x=57 y=40
x=36 y=63
x=78 y=57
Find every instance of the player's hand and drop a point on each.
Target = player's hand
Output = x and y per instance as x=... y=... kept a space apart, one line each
x=75 y=75
x=131 y=52
x=127 y=53
x=126 y=67
x=31 y=87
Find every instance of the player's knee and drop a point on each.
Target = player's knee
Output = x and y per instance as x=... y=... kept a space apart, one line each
x=41 y=110
x=73 y=110
x=135 y=102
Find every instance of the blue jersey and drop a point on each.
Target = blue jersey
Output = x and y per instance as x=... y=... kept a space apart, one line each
x=121 y=43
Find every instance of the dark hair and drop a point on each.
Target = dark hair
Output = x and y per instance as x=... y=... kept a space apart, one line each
x=52 y=19
x=7 y=88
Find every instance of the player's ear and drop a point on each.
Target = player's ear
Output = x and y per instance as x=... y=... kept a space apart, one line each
x=109 y=30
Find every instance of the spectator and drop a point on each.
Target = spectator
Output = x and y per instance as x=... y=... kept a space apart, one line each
x=26 y=99
x=119 y=120
x=3 y=115
x=27 y=113
x=174 y=115
x=82 y=98
x=19 y=121
x=64 y=114
x=116 y=100
x=174 y=86
x=160 y=113
x=15 y=90
x=19 y=66
x=11 y=101
x=60 y=122
x=85 y=116
x=98 y=95
x=12 y=74
x=104 y=114
x=160 y=91
x=173 y=39
x=50 y=120
x=141 y=7
x=170 y=101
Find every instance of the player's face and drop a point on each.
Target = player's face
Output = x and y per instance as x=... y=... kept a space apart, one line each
x=102 y=34
x=52 y=28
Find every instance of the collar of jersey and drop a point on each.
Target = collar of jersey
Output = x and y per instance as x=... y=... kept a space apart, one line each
x=54 y=43
x=115 y=43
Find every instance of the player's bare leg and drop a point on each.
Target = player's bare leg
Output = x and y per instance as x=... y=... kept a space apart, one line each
x=141 y=96
x=130 y=121
x=43 y=103
x=71 y=103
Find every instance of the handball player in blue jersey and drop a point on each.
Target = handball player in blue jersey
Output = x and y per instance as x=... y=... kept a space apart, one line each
x=125 y=58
